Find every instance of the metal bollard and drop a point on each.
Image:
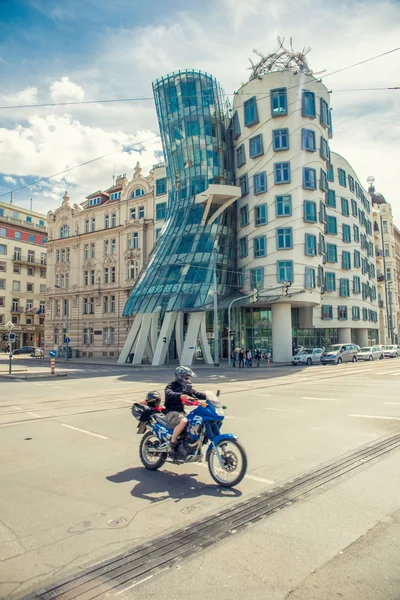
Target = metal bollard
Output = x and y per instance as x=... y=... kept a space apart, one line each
x=53 y=365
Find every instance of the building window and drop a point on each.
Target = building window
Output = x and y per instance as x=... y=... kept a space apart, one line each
x=256 y=146
x=280 y=139
x=331 y=253
x=64 y=231
x=323 y=181
x=351 y=183
x=346 y=233
x=115 y=196
x=324 y=113
x=385 y=226
x=244 y=184
x=92 y=277
x=308 y=104
x=161 y=186
x=345 y=207
x=250 y=112
x=309 y=279
x=309 y=178
x=330 y=282
x=113 y=220
x=310 y=245
x=356 y=285
x=158 y=233
x=355 y=313
x=113 y=246
x=260 y=215
x=260 y=246
x=133 y=213
x=31 y=239
x=93 y=224
x=240 y=155
x=133 y=269
x=357 y=259
x=342 y=313
x=17 y=269
x=244 y=215
x=344 y=287
x=17 y=235
x=91 y=305
x=308 y=140
x=285 y=271
x=106 y=246
x=324 y=149
x=283 y=205
x=243 y=247
x=236 y=125
x=279 y=102
x=86 y=225
x=322 y=211
x=16 y=286
x=326 y=312
x=192 y=128
x=30 y=271
x=106 y=221
x=106 y=275
x=284 y=238
x=282 y=172
x=94 y=201
x=133 y=240
x=346 y=260
x=256 y=278
x=342 y=177
x=331 y=225
x=310 y=211
x=161 y=210
x=92 y=250
x=260 y=182
x=354 y=209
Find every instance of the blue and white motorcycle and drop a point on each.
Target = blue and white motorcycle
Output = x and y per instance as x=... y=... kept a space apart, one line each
x=225 y=455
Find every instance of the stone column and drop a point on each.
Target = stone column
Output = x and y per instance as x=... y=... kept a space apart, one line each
x=344 y=335
x=362 y=337
x=281 y=332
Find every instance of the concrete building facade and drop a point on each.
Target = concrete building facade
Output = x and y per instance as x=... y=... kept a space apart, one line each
x=23 y=269
x=96 y=251
x=397 y=254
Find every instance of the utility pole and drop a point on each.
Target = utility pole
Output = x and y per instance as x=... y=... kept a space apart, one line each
x=390 y=312
x=216 y=336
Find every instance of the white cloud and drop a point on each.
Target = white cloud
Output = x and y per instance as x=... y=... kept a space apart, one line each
x=66 y=90
x=26 y=96
x=9 y=179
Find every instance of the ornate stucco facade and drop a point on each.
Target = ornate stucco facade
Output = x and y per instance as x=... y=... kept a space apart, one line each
x=96 y=251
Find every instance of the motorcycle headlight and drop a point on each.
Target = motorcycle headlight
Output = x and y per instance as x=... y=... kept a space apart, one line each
x=220 y=411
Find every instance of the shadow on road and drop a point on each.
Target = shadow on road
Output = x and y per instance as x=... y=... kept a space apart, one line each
x=162 y=485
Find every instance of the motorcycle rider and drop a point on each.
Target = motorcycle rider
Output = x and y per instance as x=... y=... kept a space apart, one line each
x=178 y=394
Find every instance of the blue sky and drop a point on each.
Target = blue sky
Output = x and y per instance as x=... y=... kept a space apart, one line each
x=89 y=49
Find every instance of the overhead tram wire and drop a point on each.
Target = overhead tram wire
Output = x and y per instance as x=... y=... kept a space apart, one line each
x=138 y=99
x=88 y=162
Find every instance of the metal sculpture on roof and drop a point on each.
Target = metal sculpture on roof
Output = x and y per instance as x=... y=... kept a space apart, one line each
x=280 y=60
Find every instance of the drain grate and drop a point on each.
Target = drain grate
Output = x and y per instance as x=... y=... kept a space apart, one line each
x=111 y=577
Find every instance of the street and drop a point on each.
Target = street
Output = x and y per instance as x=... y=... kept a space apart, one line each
x=73 y=491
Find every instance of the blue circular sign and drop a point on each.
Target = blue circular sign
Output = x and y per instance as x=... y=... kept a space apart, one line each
x=52 y=353
x=67 y=340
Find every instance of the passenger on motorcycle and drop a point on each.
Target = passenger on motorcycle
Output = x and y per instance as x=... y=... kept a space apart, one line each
x=178 y=394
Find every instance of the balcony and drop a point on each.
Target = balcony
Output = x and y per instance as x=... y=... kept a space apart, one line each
x=221 y=194
x=28 y=260
x=22 y=223
x=17 y=310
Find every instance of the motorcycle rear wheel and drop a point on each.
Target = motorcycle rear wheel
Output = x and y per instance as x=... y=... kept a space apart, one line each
x=235 y=458
x=151 y=460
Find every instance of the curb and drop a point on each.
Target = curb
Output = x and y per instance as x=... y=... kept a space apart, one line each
x=34 y=376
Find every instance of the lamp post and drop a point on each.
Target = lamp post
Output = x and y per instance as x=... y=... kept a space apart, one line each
x=216 y=336
x=390 y=311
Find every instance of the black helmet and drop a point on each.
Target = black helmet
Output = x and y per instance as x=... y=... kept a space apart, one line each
x=183 y=374
x=153 y=399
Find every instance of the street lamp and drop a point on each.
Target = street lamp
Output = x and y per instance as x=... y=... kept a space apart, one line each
x=390 y=311
x=216 y=337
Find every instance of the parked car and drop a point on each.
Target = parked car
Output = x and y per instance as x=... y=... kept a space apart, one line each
x=370 y=353
x=338 y=353
x=307 y=356
x=37 y=353
x=24 y=350
x=391 y=352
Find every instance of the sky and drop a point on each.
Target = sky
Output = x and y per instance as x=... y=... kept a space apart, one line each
x=55 y=51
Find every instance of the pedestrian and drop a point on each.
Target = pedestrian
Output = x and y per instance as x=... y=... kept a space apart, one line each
x=241 y=357
x=249 y=359
x=257 y=356
x=233 y=357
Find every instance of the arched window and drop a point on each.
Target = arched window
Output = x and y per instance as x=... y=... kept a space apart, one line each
x=133 y=269
x=138 y=192
x=64 y=231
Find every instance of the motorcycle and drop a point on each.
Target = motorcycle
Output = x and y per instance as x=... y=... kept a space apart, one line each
x=225 y=455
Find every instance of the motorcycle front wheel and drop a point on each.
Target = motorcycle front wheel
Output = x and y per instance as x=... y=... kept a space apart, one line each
x=234 y=466
x=149 y=456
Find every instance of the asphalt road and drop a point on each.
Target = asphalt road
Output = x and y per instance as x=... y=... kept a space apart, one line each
x=73 y=491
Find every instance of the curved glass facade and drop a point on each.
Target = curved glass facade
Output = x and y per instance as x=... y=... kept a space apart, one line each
x=196 y=141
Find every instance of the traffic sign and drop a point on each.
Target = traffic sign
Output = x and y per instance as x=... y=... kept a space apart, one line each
x=67 y=340
x=10 y=325
x=11 y=337
x=52 y=353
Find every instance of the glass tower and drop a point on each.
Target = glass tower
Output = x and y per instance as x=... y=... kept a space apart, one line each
x=197 y=147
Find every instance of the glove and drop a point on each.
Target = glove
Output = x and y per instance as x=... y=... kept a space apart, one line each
x=187 y=401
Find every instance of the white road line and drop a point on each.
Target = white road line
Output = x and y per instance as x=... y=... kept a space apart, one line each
x=33 y=414
x=393 y=403
x=376 y=417
x=252 y=477
x=58 y=387
x=282 y=409
x=384 y=372
x=36 y=383
x=340 y=431
x=133 y=585
x=102 y=437
x=321 y=399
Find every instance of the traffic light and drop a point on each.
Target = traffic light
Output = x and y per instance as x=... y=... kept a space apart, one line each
x=231 y=333
x=255 y=295
x=285 y=288
x=164 y=340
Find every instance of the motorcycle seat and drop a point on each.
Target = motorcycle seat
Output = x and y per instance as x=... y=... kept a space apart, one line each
x=162 y=421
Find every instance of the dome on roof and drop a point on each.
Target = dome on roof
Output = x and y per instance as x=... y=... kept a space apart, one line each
x=376 y=197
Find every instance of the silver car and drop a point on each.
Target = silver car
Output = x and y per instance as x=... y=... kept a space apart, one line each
x=391 y=351
x=370 y=353
x=339 y=353
x=307 y=356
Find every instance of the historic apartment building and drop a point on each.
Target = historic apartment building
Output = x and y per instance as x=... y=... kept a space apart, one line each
x=387 y=267
x=397 y=252
x=96 y=251
x=23 y=236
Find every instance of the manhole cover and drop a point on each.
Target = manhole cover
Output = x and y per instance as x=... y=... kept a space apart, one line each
x=118 y=522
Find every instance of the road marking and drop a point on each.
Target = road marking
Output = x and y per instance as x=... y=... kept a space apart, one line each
x=102 y=437
x=376 y=417
x=33 y=414
x=58 y=387
x=252 y=477
x=393 y=403
x=283 y=409
x=321 y=399
x=133 y=585
x=340 y=431
x=36 y=383
x=386 y=372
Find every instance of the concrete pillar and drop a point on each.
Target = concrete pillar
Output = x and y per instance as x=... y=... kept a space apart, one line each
x=179 y=334
x=142 y=339
x=306 y=317
x=160 y=352
x=204 y=341
x=281 y=332
x=344 y=334
x=130 y=340
x=190 y=342
x=362 y=337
